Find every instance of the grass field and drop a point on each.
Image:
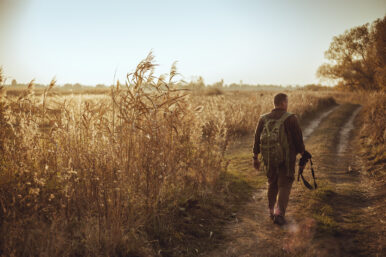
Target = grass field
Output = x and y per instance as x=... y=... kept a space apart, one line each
x=142 y=169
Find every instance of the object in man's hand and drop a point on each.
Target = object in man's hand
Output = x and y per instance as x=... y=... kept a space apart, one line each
x=305 y=157
x=302 y=163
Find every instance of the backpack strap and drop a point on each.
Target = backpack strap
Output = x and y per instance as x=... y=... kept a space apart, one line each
x=264 y=116
x=266 y=121
x=283 y=117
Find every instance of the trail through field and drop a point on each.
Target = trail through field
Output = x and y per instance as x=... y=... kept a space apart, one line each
x=334 y=220
x=315 y=123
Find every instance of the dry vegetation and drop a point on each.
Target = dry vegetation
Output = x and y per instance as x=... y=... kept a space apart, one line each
x=372 y=123
x=110 y=175
x=373 y=132
x=57 y=91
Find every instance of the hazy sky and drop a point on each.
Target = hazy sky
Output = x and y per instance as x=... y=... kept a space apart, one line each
x=86 y=41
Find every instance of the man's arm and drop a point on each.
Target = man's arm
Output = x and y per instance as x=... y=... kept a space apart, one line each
x=256 y=145
x=297 y=135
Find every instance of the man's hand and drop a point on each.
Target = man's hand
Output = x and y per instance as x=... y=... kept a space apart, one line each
x=256 y=163
x=303 y=160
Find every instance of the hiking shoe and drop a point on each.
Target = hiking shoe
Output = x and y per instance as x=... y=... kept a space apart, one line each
x=279 y=219
x=272 y=217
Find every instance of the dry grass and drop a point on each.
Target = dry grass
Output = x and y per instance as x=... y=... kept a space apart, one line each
x=109 y=175
x=372 y=123
x=100 y=176
x=58 y=91
x=241 y=110
x=373 y=133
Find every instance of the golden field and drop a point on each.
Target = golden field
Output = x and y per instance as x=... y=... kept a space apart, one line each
x=108 y=174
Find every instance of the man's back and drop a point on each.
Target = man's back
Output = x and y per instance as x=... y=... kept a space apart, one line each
x=294 y=136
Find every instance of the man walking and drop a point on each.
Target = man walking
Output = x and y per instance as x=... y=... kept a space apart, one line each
x=278 y=139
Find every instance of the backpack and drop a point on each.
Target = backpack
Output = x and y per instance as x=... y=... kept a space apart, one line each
x=274 y=147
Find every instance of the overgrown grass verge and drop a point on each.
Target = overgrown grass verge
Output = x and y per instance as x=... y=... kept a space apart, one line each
x=372 y=119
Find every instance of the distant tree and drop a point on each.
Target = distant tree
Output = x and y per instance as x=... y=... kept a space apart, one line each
x=77 y=86
x=14 y=83
x=196 y=83
x=380 y=51
x=100 y=86
x=316 y=87
x=219 y=84
x=357 y=57
x=234 y=85
x=67 y=86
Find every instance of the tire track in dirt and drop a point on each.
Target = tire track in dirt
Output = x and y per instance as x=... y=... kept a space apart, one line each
x=354 y=233
x=333 y=209
x=315 y=123
x=345 y=132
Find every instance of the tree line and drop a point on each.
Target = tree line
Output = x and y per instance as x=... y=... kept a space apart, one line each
x=357 y=58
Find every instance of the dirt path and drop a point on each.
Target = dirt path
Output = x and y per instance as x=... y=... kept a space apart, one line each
x=331 y=221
